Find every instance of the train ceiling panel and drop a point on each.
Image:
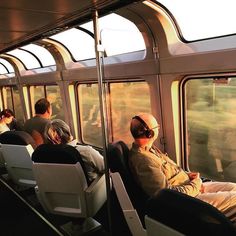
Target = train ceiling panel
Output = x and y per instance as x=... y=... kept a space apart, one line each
x=24 y=21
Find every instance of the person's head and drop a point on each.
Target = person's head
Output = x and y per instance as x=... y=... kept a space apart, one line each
x=144 y=128
x=6 y=116
x=58 y=132
x=43 y=107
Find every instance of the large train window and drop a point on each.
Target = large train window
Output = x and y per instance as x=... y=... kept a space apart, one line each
x=11 y=100
x=52 y=93
x=118 y=36
x=90 y=120
x=211 y=127
x=36 y=92
x=126 y=99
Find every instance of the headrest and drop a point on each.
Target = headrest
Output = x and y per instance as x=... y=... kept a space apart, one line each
x=187 y=214
x=59 y=154
x=17 y=138
x=118 y=160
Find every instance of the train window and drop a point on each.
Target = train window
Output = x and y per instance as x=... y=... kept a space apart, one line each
x=90 y=119
x=54 y=96
x=36 y=92
x=79 y=43
x=42 y=54
x=26 y=58
x=127 y=99
x=211 y=127
x=7 y=98
x=119 y=35
x=11 y=98
x=206 y=26
x=3 y=69
x=7 y=65
x=19 y=114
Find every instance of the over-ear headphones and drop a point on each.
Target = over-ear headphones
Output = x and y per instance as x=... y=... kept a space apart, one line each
x=148 y=133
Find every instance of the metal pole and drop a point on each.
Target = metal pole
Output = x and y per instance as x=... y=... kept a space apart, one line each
x=102 y=101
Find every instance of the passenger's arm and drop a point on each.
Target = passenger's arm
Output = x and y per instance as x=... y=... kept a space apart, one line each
x=191 y=188
x=97 y=159
x=149 y=175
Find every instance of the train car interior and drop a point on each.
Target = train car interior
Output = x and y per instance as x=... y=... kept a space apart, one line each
x=99 y=64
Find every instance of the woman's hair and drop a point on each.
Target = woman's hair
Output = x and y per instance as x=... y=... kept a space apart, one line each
x=57 y=132
x=6 y=113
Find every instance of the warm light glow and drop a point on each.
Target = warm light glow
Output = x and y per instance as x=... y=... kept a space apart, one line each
x=203 y=18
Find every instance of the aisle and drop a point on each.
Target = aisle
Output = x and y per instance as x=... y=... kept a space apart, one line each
x=17 y=218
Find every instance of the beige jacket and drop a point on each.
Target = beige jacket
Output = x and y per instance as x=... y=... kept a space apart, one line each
x=154 y=170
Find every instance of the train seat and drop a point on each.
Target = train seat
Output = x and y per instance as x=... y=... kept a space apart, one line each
x=186 y=215
x=17 y=148
x=130 y=196
x=63 y=189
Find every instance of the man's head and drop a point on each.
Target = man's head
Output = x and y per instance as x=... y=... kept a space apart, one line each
x=144 y=126
x=58 y=132
x=43 y=107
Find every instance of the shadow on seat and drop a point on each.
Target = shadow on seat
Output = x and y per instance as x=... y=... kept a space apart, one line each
x=187 y=215
x=130 y=196
x=62 y=187
x=17 y=148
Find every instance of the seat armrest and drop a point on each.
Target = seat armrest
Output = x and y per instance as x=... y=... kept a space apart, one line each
x=96 y=195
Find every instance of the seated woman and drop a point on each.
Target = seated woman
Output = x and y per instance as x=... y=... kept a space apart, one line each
x=58 y=132
x=6 y=117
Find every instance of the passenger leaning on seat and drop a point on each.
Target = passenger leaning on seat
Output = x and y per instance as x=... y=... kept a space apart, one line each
x=36 y=125
x=154 y=170
x=6 y=117
x=58 y=132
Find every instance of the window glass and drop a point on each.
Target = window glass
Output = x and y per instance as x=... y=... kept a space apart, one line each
x=7 y=64
x=119 y=35
x=27 y=59
x=54 y=96
x=36 y=92
x=127 y=99
x=19 y=113
x=90 y=114
x=43 y=54
x=211 y=127
x=7 y=96
x=11 y=98
x=79 y=43
x=3 y=70
x=211 y=23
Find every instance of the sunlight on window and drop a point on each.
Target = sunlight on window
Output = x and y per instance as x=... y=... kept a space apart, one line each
x=43 y=54
x=118 y=35
x=7 y=65
x=203 y=18
x=28 y=60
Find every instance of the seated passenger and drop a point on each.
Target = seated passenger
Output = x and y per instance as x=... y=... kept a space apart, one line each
x=58 y=132
x=154 y=170
x=6 y=117
x=36 y=125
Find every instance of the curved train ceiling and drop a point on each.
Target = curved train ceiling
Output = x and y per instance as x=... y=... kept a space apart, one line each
x=24 y=21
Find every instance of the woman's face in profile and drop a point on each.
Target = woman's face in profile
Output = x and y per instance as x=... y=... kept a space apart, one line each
x=8 y=120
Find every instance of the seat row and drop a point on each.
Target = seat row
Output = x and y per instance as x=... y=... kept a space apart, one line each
x=64 y=189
